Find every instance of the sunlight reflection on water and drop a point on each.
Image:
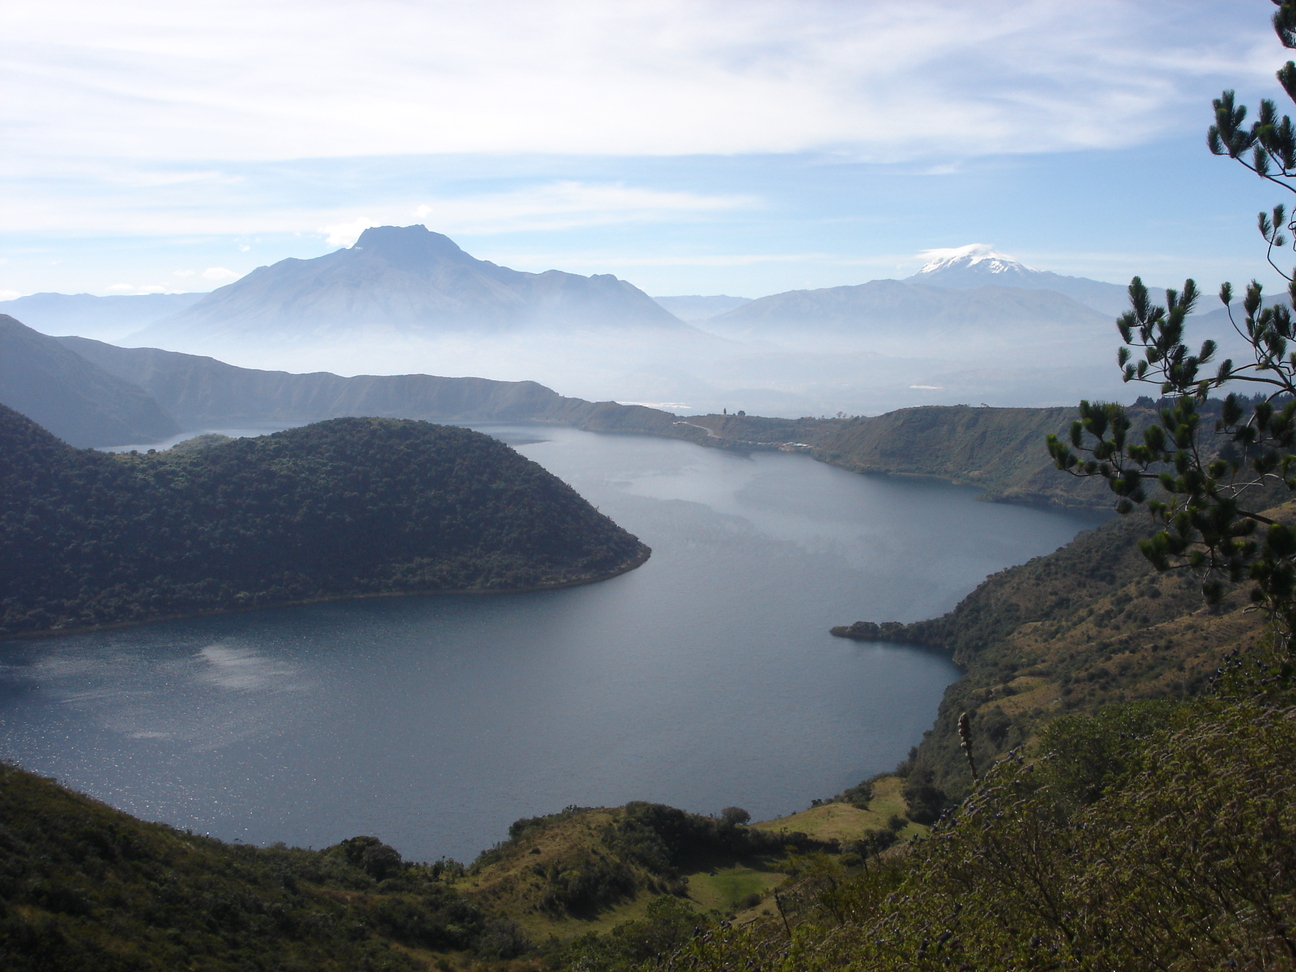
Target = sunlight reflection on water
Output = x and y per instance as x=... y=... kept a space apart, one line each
x=705 y=678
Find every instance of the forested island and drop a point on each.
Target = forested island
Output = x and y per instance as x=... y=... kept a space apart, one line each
x=344 y=508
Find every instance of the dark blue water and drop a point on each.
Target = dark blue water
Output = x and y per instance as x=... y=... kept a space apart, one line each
x=706 y=678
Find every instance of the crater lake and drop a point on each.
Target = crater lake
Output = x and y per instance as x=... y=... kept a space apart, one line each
x=703 y=679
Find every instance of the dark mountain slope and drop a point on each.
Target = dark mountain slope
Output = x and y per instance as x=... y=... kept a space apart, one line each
x=408 y=280
x=1000 y=449
x=344 y=508
x=205 y=393
x=202 y=392
x=72 y=397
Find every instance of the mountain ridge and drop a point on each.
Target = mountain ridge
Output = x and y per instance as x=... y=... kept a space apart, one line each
x=978 y=265
x=77 y=400
x=204 y=393
x=895 y=312
x=107 y=318
x=407 y=280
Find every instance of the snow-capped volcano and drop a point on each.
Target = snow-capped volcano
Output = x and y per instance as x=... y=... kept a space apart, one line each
x=974 y=265
x=980 y=265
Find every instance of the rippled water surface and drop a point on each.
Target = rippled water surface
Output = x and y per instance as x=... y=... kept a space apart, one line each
x=705 y=678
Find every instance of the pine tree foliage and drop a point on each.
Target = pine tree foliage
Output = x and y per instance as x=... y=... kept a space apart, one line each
x=1207 y=471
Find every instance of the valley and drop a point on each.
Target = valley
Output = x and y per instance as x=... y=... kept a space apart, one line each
x=258 y=725
x=1024 y=641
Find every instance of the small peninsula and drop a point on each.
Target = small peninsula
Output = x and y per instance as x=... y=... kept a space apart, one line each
x=349 y=507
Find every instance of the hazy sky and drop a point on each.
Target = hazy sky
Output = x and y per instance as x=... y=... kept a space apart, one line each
x=740 y=147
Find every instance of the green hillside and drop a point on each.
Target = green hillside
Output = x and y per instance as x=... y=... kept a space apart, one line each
x=343 y=508
x=1153 y=836
x=999 y=449
x=1090 y=624
x=85 y=888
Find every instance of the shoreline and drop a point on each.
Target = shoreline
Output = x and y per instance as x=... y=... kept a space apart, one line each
x=633 y=563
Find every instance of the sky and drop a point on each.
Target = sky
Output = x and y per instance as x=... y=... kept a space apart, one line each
x=745 y=147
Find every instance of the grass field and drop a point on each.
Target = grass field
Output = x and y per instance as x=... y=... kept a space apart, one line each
x=843 y=822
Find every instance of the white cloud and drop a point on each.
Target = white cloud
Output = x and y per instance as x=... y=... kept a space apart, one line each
x=695 y=260
x=104 y=209
x=879 y=80
x=345 y=234
x=9 y=294
x=184 y=273
x=135 y=289
x=566 y=204
x=220 y=273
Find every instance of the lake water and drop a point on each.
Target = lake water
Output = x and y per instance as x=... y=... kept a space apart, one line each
x=704 y=679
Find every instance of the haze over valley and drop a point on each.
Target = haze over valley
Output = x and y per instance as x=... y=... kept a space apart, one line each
x=969 y=327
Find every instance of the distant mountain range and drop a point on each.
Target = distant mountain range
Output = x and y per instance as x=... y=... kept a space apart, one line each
x=895 y=315
x=203 y=393
x=903 y=307
x=406 y=280
x=698 y=308
x=978 y=265
x=106 y=318
x=89 y=393
x=972 y=326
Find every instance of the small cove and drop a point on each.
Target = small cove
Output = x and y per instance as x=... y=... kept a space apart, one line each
x=704 y=678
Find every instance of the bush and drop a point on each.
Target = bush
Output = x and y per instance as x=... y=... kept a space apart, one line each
x=925 y=801
x=735 y=816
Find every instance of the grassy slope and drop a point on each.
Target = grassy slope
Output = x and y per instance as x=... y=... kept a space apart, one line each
x=1088 y=625
x=518 y=877
x=84 y=886
x=1157 y=835
x=531 y=877
x=843 y=822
